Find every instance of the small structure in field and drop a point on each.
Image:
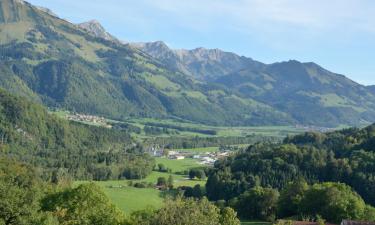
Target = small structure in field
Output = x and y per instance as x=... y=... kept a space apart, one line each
x=177 y=157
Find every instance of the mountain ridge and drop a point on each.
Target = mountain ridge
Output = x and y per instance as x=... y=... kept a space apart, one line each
x=64 y=66
x=193 y=61
x=50 y=60
x=95 y=28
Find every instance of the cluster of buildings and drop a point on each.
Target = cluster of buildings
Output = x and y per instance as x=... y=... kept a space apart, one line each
x=314 y=128
x=209 y=158
x=88 y=119
x=204 y=158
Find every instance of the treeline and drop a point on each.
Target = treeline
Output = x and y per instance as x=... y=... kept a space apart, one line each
x=61 y=148
x=126 y=127
x=27 y=200
x=181 y=128
x=299 y=201
x=202 y=142
x=346 y=156
x=151 y=130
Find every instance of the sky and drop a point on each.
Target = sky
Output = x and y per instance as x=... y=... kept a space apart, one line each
x=337 y=34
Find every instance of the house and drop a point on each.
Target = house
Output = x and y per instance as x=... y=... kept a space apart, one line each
x=172 y=153
x=207 y=161
x=196 y=156
x=223 y=154
x=353 y=222
x=177 y=157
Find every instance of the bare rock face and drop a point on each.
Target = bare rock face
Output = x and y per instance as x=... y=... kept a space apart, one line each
x=46 y=10
x=95 y=28
x=201 y=63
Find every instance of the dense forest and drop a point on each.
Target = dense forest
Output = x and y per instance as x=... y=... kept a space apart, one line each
x=67 y=149
x=345 y=156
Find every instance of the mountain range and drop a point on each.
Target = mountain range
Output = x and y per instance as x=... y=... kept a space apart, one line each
x=85 y=69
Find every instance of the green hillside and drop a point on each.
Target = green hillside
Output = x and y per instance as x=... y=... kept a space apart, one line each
x=306 y=92
x=309 y=93
x=345 y=156
x=65 y=150
x=54 y=62
x=61 y=65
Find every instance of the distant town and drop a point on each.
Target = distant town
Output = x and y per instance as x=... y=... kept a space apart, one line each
x=84 y=118
x=204 y=158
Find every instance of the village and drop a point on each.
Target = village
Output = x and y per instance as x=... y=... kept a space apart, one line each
x=308 y=128
x=204 y=158
x=88 y=119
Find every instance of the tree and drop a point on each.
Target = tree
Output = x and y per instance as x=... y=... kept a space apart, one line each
x=320 y=220
x=258 y=203
x=61 y=177
x=192 y=212
x=198 y=191
x=165 y=152
x=201 y=175
x=369 y=213
x=85 y=205
x=161 y=181
x=20 y=192
x=333 y=201
x=162 y=167
x=142 y=217
x=170 y=182
x=229 y=217
x=197 y=173
x=291 y=197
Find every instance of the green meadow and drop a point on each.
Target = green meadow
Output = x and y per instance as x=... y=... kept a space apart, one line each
x=131 y=199
x=221 y=131
x=198 y=150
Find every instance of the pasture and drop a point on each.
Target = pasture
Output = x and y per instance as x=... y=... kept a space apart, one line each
x=130 y=199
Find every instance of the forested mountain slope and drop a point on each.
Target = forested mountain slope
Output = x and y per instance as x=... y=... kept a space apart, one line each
x=58 y=63
x=83 y=68
x=29 y=133
x=307 y=92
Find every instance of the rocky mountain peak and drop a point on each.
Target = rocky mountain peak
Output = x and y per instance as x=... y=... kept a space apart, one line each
x=95 y=28
x=46 y=10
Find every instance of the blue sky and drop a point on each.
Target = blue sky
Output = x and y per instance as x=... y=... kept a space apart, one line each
x=337 y=34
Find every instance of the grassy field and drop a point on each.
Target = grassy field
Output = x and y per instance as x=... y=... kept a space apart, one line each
x=131 y=199
x=272 y=131
x=178 y=165
x=276 y=131
x=199 y=150
x=221 y=131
